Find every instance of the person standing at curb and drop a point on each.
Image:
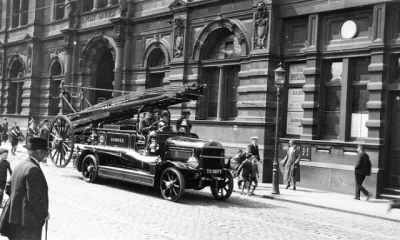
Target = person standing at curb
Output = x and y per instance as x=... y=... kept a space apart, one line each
x=254 y=174
x=4 y=167
x=239 y=158
x=44 y=133
x=362 y=169
x=291 y=164
x=15 y=135
x=245 y=169
x=28 y=207
x=254 y=147
x=5 y=130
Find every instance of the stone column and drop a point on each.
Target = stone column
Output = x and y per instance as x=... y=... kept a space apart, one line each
x=20 y=13
x=68 y=47
x=311 y=87
x=376 y=69
x=95 y=5
x=221 y=95
x=119 y=38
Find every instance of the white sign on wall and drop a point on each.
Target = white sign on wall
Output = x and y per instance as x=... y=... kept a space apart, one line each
x=358 y=128
x=296 y=73
x=295 y=111
x=295 y=99
x=293 y=124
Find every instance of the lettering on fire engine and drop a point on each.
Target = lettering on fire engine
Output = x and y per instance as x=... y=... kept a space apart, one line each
x=120 y=140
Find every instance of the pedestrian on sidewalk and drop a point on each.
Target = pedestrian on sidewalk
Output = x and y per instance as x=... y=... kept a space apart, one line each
x=4 y=167
x=254 y=147
x=239 y=158
x=291 y=164
x=44 y=133
x=15 y=136
x=5 y=130
x=245 y=170
x=254 y=174
x=362 y=169
x=28 y=208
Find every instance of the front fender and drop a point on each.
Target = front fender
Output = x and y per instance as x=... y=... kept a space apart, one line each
x=179 y=165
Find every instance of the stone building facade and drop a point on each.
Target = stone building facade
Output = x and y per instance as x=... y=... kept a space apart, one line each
x=342 y=60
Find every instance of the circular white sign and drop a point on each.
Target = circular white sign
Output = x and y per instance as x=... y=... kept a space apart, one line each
x=348 y=29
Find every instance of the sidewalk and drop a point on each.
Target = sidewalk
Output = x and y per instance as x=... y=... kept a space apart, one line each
x=376 y=208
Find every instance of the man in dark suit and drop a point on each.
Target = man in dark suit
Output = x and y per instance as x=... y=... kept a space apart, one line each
x=253 y=147
x=29 y=201
x=362 y=169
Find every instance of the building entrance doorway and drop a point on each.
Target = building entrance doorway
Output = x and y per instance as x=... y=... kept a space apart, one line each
x=394 y=164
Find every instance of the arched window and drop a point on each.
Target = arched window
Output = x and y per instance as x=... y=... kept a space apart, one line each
x=58 y=9
x=55 y=82
x=223 y=81
x=56 y=69
x=15 y=90
x=155 y=63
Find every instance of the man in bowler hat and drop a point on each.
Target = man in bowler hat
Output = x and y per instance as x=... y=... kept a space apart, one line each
x=29 y=201
x=362 y=169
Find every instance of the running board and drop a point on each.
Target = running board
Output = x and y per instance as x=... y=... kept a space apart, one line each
x=126 y=175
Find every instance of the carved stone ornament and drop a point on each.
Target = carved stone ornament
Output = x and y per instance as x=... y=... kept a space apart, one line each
x=29 y=58
x=179 y=37
x=68 y=46
x=73 y=11
x=261 y=26
x=119 y=36
x=123 y=7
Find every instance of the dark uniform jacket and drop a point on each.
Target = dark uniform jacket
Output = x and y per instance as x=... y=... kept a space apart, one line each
x=254 y=151
x=145 y=125
x=44 y=133
x=363 y=165
x=179 y=124
x=29 y=201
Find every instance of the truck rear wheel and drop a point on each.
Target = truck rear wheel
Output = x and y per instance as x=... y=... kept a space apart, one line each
x=172 y=184
x=222 y=189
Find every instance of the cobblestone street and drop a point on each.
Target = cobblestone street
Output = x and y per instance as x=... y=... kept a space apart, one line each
x=117 y=210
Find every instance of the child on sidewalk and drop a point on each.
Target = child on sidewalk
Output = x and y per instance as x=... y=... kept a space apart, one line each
x=4 y=166
x=245 y=170
x=254 y=174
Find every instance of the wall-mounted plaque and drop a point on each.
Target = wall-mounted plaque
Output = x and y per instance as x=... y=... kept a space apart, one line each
x=349 y=29
x=296 y=74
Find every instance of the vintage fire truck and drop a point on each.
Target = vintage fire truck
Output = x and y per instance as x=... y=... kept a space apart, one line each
x=102 y=146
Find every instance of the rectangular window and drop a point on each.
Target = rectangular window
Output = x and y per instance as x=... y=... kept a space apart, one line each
x=212 y=94
x=15 y=14
x=59 y=9
x=232 y=79
x=24 y=13
x=333 y=90
x=87 y=5
x=102 y=3
x=360 y=97
x=227 y=108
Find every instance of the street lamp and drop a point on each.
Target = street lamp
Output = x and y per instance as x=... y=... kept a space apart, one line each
x=279 y=81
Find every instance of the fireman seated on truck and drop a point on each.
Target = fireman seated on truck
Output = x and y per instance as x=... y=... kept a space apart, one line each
x=146 y=124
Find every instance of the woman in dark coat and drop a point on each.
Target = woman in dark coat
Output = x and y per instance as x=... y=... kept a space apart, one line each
x=15 y=134
x=291 y=164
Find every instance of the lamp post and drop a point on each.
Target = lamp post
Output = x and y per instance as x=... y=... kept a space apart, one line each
x=279 y=81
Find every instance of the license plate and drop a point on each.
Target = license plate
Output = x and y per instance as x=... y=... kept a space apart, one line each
x=214 y=171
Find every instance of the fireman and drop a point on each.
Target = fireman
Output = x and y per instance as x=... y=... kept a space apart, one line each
x=183 y=124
